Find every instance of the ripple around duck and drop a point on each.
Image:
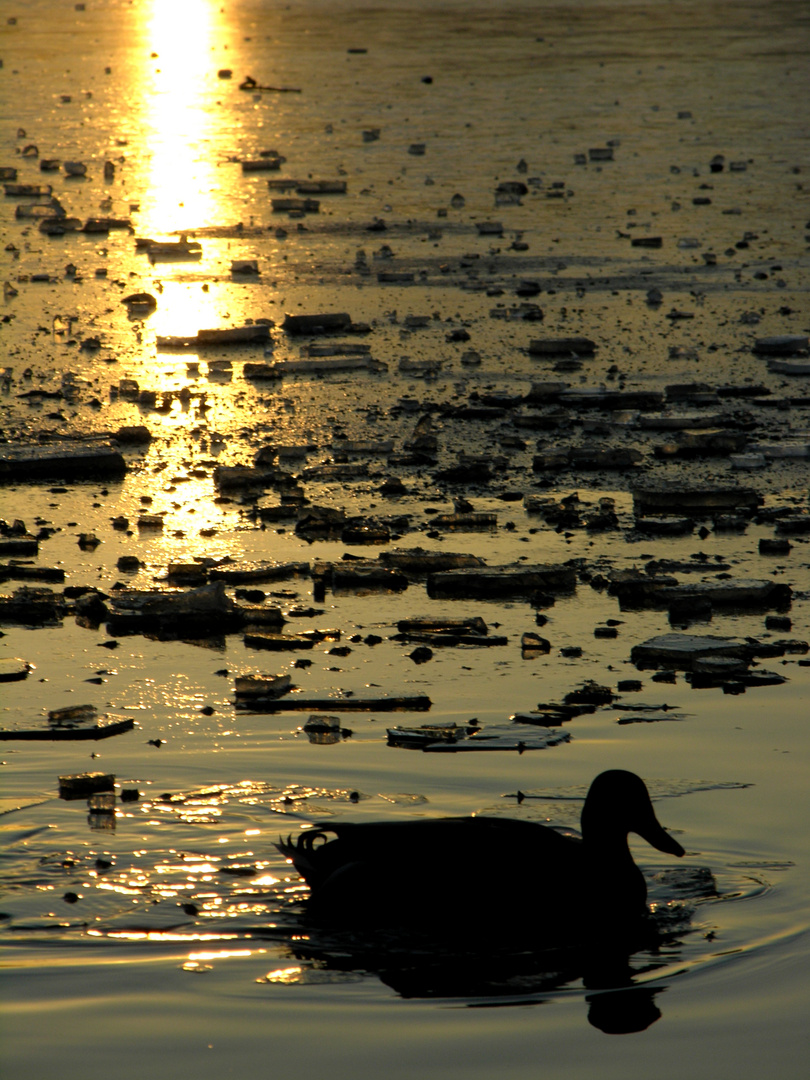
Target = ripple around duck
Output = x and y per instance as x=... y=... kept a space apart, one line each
x=712 y=935
x=214 y=877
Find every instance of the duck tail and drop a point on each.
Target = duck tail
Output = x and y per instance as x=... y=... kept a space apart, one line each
x=302 y=851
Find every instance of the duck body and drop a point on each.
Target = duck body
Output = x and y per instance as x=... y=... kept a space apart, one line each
x=469 y=871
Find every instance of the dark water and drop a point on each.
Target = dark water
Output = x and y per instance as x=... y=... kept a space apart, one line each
x=167 y=937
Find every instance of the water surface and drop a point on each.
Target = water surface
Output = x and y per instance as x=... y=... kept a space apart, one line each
x=135 y=938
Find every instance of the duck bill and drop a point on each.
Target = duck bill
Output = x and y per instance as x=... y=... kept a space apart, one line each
x=656 y=835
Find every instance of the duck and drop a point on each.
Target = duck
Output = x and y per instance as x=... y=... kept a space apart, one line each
x=477 y=871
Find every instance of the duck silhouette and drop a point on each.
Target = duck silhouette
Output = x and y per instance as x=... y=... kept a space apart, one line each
x=495 y=874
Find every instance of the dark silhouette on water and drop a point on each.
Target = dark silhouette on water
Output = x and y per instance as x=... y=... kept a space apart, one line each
x=415 y=967
x=492 y=909
x=496 y=876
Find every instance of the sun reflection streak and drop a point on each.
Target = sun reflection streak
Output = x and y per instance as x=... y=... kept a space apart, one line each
x=182 y=188
x=181 y=184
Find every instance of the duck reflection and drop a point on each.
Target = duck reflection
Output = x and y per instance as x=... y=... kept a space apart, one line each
x=486 y=972
x=423 y=905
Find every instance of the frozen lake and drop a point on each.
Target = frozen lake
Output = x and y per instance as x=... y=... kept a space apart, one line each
x=629 y=174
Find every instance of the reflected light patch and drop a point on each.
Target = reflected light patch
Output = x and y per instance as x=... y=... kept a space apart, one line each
x=235 y=911
x=159 y=935
x=285 y=976
x=184 y=308
x=265 y=879
x=220 y=954
x=122 y=889
x=186 y=868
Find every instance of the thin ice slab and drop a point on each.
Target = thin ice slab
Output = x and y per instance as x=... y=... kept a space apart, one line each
x=683 y=650
x=76 y=462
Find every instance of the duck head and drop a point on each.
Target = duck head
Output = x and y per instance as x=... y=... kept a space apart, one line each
x=618 y=803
